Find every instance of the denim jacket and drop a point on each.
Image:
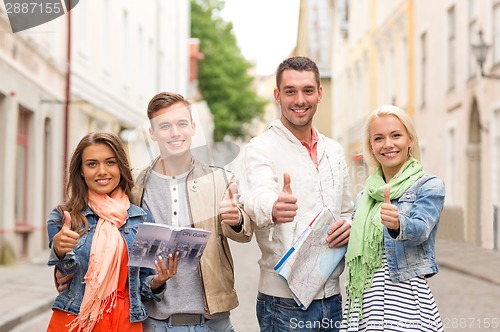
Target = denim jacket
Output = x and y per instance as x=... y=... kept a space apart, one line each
x=411 y=252
x=76 y=261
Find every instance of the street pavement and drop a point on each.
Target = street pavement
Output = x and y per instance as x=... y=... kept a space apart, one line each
x=467 y=289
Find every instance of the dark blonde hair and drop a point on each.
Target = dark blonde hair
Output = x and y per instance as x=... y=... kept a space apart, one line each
x=76 y=187
x=407 y=122
x=166 y=99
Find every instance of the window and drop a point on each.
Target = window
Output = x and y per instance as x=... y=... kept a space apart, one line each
x=496 y=182
x=496 y=167
x=423 y=153
x=106 y=40
x=82 y=29
x=403 y=99
x=48 y=183
x=126 y=65
x=472 y=37
x=140 y=59
x=358 y=87
x=391 y=77
x=451 y=174
x=366 y=84
x=496 y=34
x=382 y=82
x=150 y=65
x=451 y=48
x=21 y=178
x=343 y=9
x=423 y=69
x=350 y=84
x=3 y=147
x=22 y=165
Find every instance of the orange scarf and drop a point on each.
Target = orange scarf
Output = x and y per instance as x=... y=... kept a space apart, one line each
x=105 y=256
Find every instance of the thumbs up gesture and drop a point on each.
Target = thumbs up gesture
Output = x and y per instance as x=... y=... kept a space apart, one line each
x=285 y=207
x=389 y=214
x=66 y=239
x=229 y=207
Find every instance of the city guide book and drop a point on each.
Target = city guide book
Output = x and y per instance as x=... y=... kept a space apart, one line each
x=153 y=240
x=309 y=262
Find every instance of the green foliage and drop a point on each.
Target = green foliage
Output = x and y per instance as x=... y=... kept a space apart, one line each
x=223 y=73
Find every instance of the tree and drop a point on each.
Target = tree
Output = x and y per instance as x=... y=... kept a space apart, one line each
x=223 y=76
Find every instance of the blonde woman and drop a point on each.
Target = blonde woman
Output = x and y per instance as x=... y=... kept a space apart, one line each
x=391 y=247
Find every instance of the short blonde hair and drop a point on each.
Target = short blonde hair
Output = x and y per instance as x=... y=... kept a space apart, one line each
x=407 y=122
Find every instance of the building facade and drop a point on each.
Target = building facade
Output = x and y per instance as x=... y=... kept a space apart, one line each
x=370 y=67
x=457 y=112
x=314 y=41
x=418 y=56
x=122 y=54
x=32 y=86
x=107 y=58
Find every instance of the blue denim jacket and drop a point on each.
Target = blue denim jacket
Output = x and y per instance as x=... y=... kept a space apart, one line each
x=411 y=252
x=76 y=261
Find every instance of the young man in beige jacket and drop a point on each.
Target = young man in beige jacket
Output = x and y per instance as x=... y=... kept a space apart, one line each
x=182 y=191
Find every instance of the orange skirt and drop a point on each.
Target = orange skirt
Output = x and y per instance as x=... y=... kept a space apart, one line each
x=117 y=320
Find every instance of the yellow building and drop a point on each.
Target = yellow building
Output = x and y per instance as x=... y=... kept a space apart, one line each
x=371 y=66
x=314 y=41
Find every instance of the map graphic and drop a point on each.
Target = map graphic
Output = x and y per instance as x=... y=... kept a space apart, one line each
x=309 y=262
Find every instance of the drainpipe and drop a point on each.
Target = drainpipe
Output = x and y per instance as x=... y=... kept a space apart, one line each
x=158 y=46
x=67 y=100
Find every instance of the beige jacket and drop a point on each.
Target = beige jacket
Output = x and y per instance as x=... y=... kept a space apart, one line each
x=206 y=186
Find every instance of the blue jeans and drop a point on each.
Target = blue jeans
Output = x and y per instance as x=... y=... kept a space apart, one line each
x=211 y=325
x=276 y=314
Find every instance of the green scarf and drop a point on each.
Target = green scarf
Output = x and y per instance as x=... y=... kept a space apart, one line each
x=366 y=241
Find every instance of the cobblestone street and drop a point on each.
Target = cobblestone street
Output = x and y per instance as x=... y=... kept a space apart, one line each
x=466 y=303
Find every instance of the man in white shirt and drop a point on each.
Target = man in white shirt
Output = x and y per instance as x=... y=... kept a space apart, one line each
x=289 y=174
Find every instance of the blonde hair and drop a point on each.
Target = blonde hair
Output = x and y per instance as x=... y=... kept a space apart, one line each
x=386 y=110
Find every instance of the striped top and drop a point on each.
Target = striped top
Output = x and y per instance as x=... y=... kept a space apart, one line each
x=388 y=306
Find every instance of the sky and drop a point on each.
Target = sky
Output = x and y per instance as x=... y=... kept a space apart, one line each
x=266 y=30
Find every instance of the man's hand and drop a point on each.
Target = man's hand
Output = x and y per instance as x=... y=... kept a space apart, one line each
x=66 y=239
x=389 y=214
x=229 y=212
x=164 y=273
x=61 y=280
x=285 y=207
x=338 y=234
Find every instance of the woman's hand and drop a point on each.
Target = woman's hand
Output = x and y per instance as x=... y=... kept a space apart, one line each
x=389 y=213
x=66 y=239
x=164 y=273
x=61 y=280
